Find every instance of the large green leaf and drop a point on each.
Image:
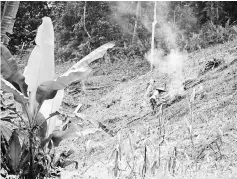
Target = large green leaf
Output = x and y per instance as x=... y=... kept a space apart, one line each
x=15 y=150
x=81 y=68
x=47 y=90
x=8 y=19
x=9 y=70
x=74 y=74
x=97 y=53
x=40 y=66
x=6 y=132
x=40 y=120
x=18 y=96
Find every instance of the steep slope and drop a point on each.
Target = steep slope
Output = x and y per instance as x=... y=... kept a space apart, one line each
x=201 y=147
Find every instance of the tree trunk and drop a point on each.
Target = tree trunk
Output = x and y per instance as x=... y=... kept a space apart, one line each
x=135 y=26
x=85 y=21
x=153 y=37
x=85 y=26
x=8 y=19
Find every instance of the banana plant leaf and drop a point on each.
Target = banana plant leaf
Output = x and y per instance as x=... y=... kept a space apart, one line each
x=15 y=150
x=10 y=72
x=48 y=89
x=18 y=96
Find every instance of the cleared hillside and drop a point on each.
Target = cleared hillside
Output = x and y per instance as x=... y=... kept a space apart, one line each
x=202 y=147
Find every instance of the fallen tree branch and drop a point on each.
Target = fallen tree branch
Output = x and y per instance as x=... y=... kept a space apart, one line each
x=78 y=90
x=97 y=87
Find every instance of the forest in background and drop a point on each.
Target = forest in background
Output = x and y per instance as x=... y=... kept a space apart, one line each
x=82 y=26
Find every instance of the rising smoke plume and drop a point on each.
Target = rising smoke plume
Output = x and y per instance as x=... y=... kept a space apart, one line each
x=170 y=60
x=172 y=63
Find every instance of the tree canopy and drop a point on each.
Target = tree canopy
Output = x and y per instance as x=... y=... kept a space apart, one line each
x=84 y=26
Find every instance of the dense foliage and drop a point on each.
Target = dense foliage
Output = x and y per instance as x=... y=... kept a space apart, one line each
x=29 y=17
x=83 y=26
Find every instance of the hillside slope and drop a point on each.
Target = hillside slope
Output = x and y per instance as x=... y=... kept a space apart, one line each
x=202 y=147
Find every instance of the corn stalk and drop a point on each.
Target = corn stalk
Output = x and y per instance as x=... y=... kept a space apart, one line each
x=153 y=37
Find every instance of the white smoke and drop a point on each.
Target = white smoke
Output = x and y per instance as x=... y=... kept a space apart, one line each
x=172 y=65
x=157 y=59
x=175 y=62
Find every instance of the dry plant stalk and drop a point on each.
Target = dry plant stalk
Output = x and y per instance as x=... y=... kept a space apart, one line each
x=118 y=155
x=132 y=151
x=116 y=168
x=160 y=133
x=189 y=124
x=189 y=127
x=172 y=161
x=145 y=164
x=161 y=121
x=174 y=157
x=191 y=102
